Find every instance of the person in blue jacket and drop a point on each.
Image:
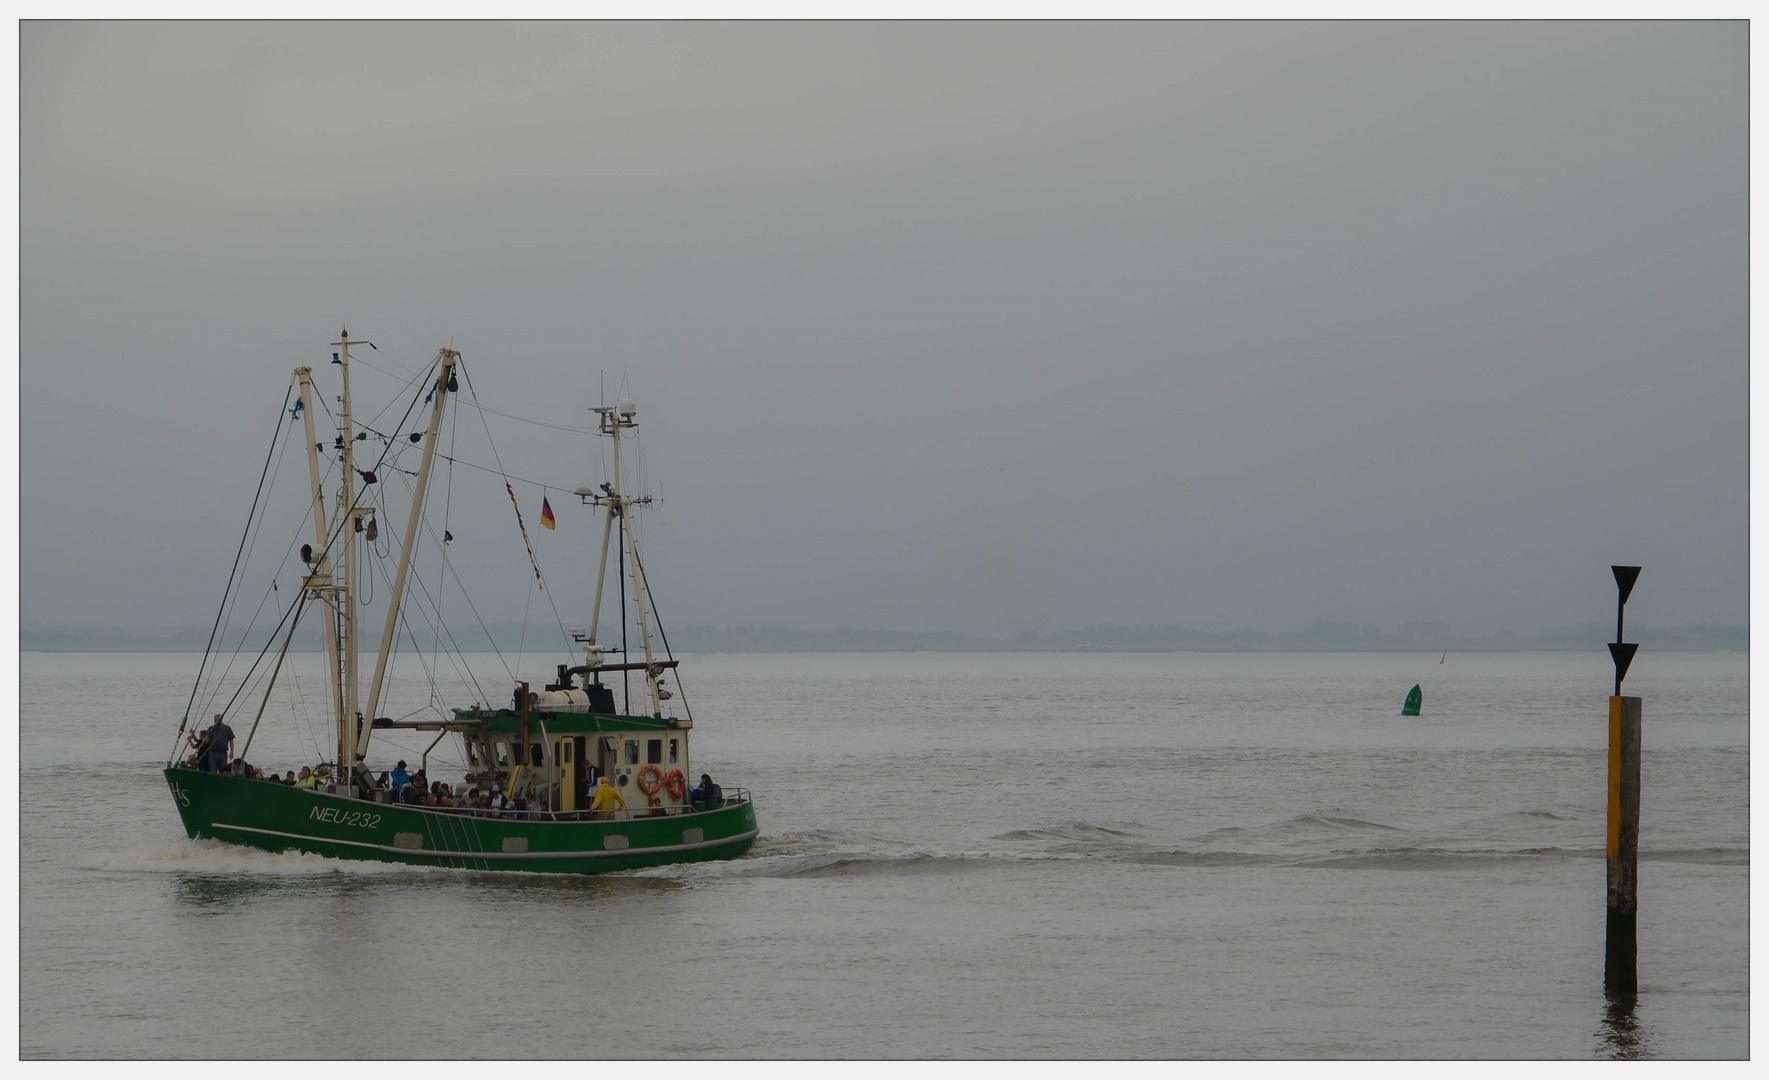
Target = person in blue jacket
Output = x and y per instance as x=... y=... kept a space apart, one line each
x=706 y=795
x=399 y=778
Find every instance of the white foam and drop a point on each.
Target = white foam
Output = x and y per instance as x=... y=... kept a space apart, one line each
x=216 y=857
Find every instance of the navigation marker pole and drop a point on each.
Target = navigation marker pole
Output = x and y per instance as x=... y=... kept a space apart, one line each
x=1623 y=847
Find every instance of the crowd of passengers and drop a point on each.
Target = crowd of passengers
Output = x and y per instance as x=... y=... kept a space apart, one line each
x=212 y=751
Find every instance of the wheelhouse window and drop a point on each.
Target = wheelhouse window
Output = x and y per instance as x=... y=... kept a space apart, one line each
x=632 y=751
x=673 y=743
x=653 y=751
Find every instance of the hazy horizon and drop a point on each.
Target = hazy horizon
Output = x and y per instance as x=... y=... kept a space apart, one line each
x=970 y=327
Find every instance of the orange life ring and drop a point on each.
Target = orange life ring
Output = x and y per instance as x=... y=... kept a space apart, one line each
x=650 y=786
x=676 y=783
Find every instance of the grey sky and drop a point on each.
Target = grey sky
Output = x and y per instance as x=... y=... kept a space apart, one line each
x=973 y=327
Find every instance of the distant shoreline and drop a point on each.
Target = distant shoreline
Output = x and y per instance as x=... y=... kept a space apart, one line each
x=1322 y=637
x=982 y=646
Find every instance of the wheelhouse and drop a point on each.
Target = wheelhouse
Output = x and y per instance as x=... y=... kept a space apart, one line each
x=559 y=743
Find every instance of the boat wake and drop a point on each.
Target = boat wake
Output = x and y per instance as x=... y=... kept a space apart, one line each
x=1301 y=829
x=1332 y=839
x=216 y=858
x=918 y=863
x=823 y=852
x=1076 y=832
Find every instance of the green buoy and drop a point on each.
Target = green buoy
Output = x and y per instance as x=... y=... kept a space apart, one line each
x=1414 y=697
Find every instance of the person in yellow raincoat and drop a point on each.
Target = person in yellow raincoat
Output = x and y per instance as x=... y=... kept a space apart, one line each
x=607 y=798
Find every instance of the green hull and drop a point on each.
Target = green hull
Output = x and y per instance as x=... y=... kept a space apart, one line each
x=276 y=818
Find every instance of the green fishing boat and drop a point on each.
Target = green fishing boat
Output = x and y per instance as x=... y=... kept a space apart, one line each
x=557 y=781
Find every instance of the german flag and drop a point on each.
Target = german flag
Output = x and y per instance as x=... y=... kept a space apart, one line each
x=547 y=514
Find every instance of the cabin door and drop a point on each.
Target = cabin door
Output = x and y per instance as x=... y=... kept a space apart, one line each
x=607 y=758
x=564 y=754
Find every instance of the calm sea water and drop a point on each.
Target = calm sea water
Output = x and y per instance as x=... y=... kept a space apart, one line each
x=998 y=855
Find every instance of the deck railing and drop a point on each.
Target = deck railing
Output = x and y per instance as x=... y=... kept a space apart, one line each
x=733 y=797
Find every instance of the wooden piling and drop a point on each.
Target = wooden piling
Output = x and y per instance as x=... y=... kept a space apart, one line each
x=1623 y=849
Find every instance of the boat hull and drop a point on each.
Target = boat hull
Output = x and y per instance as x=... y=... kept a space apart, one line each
x=278 y=818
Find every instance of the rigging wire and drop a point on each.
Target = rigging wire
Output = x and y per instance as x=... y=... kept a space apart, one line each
x=301 y=713
x=442 y=629
x=448 y=564
x=399 y=443
x=365 y=363
x=522 y=639
x=300 y=606
x=645 y=579
x=339 y=527
x=215 y=686
x=331 y=466
x=414 y=378
x=439 y=629
x=246 y=679
x=230 y=574
x=560 y=621
x=545 y=487
x=401 y=615
x=487 y=408
x=257 y=530
x=468 y=597
x=526 y=420
x=448 y=497
x=393 y=652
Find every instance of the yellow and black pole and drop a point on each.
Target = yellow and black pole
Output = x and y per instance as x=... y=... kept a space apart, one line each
x=1623 y=846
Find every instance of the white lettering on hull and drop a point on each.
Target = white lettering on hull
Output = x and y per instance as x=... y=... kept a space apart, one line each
x=362 y=819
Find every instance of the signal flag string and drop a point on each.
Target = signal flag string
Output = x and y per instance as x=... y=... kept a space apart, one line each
x=531 y=560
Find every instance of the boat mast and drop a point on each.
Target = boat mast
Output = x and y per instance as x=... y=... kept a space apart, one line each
x=613 y=421
x=319 y=580
x=445 y=362
x=346 y=609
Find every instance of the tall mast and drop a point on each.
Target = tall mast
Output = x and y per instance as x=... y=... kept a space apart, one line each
x=601 y=571
x=319 y=579
x=613 y=421
x=445 y=361
x=346 y=671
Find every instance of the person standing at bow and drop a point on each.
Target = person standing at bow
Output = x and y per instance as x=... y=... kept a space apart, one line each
x=220 y=745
